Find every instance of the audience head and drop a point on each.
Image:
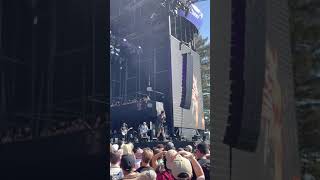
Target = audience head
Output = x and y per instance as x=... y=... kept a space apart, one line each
x=156 y=151
x=169 y=146
x=202 y=150
x=115 y=157
x=138 y=153
x=148 y=175
x=160 y=147
x=179 y=166
x=147 y=155
x=120 y=151
x=180 y=149
x=134 y=150
x=188 y=148
x=127 y=148
x=127 y=163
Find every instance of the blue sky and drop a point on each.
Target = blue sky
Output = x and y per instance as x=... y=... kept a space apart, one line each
x=204 y=6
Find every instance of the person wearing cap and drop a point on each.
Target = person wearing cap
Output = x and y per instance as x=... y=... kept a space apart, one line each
x=181 y=165
x=115 y=170
x=145 y=167
x=201 y=154
x=128 y=167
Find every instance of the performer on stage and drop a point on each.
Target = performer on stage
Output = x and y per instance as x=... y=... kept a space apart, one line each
x=124 y=131
x=161 y=120
x=144 y=130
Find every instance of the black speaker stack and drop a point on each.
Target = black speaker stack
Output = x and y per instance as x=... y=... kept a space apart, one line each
x=247 y=78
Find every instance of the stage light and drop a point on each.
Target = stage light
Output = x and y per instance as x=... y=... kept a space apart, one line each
x=139 y=47
x=125 y=40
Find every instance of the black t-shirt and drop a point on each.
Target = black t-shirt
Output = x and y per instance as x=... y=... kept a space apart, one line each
x=142 y=169
x=205 y=164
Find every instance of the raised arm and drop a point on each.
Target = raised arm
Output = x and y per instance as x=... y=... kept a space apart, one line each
x=195 y=165
x=154 y=162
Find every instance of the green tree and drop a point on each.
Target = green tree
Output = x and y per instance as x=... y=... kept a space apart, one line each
x=305 y=41
x=202 y=47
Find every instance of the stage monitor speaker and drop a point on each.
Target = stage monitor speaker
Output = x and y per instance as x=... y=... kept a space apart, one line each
x=187 y=80
x=247 y=77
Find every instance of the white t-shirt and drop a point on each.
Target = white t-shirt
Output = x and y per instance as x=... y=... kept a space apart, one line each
x=116 y=172
x=138 y=161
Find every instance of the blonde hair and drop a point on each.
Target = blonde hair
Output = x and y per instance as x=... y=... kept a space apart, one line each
x=127 y=149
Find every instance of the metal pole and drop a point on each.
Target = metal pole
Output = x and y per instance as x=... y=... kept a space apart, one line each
x=169 y=25
x=52 y=59
x=3 y=97
x=93 y=54
x=33 y=68
x=230 y=162
x=126 y=81
x=139 y=81
x=120 y=83
x=1 y=11
x=154 y=70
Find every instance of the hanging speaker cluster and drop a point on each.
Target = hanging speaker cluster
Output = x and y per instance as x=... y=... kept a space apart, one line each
x=247 y=78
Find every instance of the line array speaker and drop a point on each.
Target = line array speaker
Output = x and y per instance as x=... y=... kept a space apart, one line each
x=187 y=80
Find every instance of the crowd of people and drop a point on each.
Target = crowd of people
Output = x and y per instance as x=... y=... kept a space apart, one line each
x=16 y=134
x=163 y=162
x=142 y=101
x=66 y=127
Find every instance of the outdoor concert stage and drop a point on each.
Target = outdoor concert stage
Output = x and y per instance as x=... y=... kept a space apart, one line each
x=155 y=59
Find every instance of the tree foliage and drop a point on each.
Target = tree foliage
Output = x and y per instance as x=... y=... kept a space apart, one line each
x=305 y=38
x=202 y=47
